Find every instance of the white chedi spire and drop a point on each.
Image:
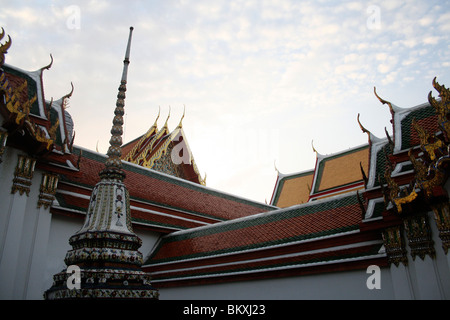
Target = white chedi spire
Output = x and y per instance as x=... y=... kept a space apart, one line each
x=106 y=248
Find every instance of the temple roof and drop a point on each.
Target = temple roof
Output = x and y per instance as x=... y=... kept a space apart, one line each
x=47 y=123
x=392 y=175
x=333 y=174
x=159 y=201
x=339 y=172
x=165 y=151
x=267 y=242
x=292 y=189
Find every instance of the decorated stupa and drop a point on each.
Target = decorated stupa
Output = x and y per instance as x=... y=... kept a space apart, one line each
x=104 y=261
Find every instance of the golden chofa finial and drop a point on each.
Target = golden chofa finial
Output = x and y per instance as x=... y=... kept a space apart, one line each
x=441 y=106
x=155 y=124
x=440 y=88
x=167 y=119
x=70 y=93
x=4 y=47
x=362 y=127
x=392 y=107
x=312 y=145
x=47 y=67
x=182 y=117
x=275 y=166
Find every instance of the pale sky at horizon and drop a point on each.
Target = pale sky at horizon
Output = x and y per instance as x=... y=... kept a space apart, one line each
x=259 y=79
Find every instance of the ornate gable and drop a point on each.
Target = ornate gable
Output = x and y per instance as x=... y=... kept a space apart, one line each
x=164 y=151
x=30 y=122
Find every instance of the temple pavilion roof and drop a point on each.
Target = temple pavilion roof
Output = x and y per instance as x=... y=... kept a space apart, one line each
x=159 y=201
x=305 y=238
x=165 y=151
x=333 y=174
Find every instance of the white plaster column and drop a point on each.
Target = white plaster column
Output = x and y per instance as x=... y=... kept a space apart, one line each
x=401 y=282
x=422 y=247
x=395 y=243
x=14 y=222
x=41 y=232
x=428 y=282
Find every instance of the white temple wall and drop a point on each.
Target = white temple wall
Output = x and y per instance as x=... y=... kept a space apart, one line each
x=350 y=285
x=34 y=242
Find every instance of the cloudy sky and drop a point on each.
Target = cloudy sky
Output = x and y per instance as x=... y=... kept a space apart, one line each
x=260 y=80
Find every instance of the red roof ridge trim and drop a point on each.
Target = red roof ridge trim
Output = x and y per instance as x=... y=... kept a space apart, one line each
x=187 y=183
x=135 y=200
x=272 y=212
x=270 y=247
x=166 y=215
x=268 y=269
x=274 y=257
x=199 y=186
x=136 y=208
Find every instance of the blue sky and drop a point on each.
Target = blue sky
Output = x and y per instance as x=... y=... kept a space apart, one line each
x=259 y=79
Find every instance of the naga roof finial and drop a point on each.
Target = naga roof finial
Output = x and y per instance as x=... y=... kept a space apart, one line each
x=314 y=149
x=392 y=107
x=167 y=119
x=362 y=127
x=182 y=117
x=155 y=124
x=4 y=47
x=47 y=67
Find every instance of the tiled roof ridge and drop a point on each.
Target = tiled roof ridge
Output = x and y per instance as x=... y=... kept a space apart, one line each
x=252 y=250
x=281 y=178
x=277 y=211
x=36 y=76
x=275 y=267
x=344 y=152
x=320 y=163
x=295 y=174
x=180 y=181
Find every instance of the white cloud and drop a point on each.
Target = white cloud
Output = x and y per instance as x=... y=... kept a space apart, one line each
x=300 y=66
x=431 y=40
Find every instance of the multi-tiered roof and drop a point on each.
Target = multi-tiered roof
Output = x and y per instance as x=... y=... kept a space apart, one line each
x=348 y=213
x=164 y=151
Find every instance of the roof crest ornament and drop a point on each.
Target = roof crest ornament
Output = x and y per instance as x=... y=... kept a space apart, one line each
x=168 y=116
x=157 y=117
x=280 y=175
x=67 y=96
x=318 y=155
x=441 y=106
x=388 y=137
x=312 y=145
x=362 y=127
x=182 y=117
x=4 y=47
x=372 y=138
x=47 y=67
x=393 y=108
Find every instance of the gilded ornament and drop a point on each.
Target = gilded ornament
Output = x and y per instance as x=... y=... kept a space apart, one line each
x=4 y=47
x=442 y=106
x=419 y=236
x=442 y=218
x=395 y=246
x=429 y=143
x=23 y=175
x=47 y=190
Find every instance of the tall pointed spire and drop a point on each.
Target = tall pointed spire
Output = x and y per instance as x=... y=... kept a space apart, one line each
x=105 y=249
x=113 y=165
